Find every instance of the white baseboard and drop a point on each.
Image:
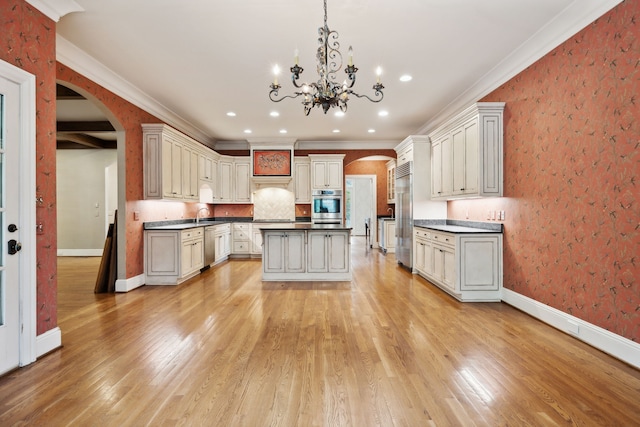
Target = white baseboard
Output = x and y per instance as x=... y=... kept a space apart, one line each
x=126 y=285
x=48 y=341
x=613 y=344
x=79 y=252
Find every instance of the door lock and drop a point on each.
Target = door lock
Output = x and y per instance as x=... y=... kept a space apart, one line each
x=12 y=228
x=14 y=247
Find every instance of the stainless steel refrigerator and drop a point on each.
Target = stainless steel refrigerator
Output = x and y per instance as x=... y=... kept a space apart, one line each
x=404 y=214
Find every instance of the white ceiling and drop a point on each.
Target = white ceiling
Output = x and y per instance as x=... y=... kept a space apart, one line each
x=191 y=62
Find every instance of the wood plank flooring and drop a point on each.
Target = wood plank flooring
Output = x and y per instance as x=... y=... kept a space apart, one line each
x=226 y=349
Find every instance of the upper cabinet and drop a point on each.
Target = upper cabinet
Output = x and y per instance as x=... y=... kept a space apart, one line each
x=302 y=183
x=170 y=164
x=326 y=171
x=391 y=181
x=466 y=154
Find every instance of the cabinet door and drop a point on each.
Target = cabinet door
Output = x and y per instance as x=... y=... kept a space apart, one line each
x=471 y=157
x=242 y=192
x=295 y=260
x=334 y=175
x=175 y=179
x=317 y=245
x=480 y=266
x=338 y=252
x=273 y=258
x=391 y=184
x=224 y=181
x=189 y=173
x=319 y=175
x=303 y=182
x=458 y=160
x=205 y=167
x=197 y=254
x=449 y=268
x=256 y=242
x=436 y=169
x=419 y=256
x=447 y=167
x=186 y=265
x=390 y=234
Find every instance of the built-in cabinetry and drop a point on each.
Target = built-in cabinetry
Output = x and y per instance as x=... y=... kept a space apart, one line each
x=302 y=182
x=222 y=242
x=466 y=265
x=387 y=235
x=326 y=171
x=173 y=256
x=466 y=154
x=241 y=238
x=391 y=182
x=306 y=253
x=234 y=184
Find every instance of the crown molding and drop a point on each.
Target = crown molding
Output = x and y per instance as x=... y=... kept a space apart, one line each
x=566 y=24
x=78 y=60
x=56 y=9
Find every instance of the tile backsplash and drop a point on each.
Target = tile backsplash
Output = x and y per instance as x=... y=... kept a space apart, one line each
x=274 y=203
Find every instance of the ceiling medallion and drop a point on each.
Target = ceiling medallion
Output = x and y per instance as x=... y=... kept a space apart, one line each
x=326 y=92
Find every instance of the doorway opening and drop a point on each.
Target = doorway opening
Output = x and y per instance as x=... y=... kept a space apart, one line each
x=360 y=203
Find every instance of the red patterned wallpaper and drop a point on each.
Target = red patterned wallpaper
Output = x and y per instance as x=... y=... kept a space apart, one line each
x=572 y=166
x=28 y=42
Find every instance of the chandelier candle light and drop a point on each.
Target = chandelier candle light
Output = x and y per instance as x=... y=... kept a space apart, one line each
x=326 y=92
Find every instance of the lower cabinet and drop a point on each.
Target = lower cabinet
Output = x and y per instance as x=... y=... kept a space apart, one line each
x=308 y=255
x=387 y=235
x=222 y=242
x=241 y=239
x=173 y=256
x=466 y=265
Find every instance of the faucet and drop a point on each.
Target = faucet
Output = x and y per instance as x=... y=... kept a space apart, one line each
x=390 y=210
x=198 y=214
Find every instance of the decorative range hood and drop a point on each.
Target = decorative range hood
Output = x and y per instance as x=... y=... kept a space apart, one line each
x=259 y=182
x=272 y=163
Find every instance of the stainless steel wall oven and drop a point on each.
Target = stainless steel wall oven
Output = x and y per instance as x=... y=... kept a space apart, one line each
x=326 y=206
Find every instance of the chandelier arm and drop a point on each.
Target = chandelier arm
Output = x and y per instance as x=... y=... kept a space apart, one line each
x=376 y=94
x=274 y=93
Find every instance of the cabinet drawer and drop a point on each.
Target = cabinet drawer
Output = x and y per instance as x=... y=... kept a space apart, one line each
x=223 y=228
x=241 y=227
x=421 y=233
x=191 y=233
x=240 y=247
x=240 y=234
x=443 y=238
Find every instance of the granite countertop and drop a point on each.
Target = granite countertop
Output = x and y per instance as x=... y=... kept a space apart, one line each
x=181 y=225
x=185 y=224
x=459 y=227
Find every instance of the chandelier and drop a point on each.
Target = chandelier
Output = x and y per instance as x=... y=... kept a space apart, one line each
x=326 y=92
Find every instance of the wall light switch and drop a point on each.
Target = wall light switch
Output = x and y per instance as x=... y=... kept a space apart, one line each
x=501 y=215
x=136 y=216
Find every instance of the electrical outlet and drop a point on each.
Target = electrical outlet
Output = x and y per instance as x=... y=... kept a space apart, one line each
x=501 y=215
x=573 y=328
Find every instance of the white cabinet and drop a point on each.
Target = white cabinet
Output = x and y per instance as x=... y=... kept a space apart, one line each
x=306 y=254
x=233 y=184
x=286 y=252
x=206 y=170
x=240 y=239
x=326 y=171
x=172 y=256
x=225 y=179
x=222 y=242
x=466 y=265
x=192 y=252
x=171 y=163
x=387 y=235
x=328 y=252
x=256 y=240
x=404 y=154
x=302 y=183
x=467 y=154
x=241 y=180
x=391 y=182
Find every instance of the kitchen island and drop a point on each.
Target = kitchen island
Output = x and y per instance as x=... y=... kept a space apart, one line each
x=306 y=252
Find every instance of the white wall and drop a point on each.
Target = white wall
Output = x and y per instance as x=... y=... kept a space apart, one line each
x=81 y=184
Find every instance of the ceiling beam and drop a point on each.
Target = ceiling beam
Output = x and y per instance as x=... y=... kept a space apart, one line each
x=85 y=140
x=94 y=126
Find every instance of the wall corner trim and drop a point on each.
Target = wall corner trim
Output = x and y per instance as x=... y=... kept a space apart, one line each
x=613 y=344
x=48 y=341
x=126 y=285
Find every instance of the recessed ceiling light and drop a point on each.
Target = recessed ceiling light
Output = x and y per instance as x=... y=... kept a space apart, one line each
x=405 y=78
x=336 y=131
x=383 y=113
x=283 y=131
x=274 y=114
x=371 y=131
x=231 y=114
x=339 y=114
x=247 y=131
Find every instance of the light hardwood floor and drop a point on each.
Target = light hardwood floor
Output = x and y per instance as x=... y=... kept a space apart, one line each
x=226 y=349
